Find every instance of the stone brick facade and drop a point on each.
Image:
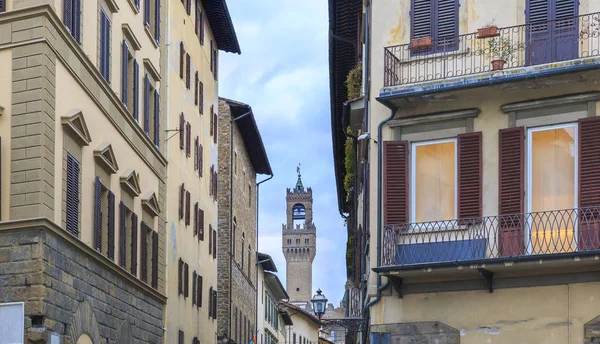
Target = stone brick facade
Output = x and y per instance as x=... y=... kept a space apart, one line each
x=236 y=274
x=75 y=289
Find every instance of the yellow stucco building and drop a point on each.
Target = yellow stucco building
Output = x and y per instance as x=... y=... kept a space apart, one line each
x=476 y=146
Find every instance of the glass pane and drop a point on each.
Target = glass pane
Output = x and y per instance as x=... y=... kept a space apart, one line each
x=435 y=182
x=552 y=188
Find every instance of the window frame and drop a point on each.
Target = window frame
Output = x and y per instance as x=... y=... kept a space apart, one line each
x=413 y=178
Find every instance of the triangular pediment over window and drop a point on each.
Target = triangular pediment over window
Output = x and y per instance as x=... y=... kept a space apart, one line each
x=75 y=124
x=105 y=156
x=150 y=203
x=131 y=183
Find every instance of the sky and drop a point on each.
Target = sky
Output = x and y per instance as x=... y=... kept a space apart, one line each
x=283 y=74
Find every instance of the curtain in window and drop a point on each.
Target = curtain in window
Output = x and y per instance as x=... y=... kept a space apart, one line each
x=435 y=182
x=552 y=166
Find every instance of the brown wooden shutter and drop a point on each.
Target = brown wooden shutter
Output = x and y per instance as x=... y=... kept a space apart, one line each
x=194 y=286
x=212 y=58
x=181 y=200
x=215 y=126
x=154 y=259
x=212 y=175
x=214 y=243
x=180 y=276
x=188 y=139
x=201 y=224
x=589 y=183
x=212 y=118
x=196 y=153
x=181 y=337
x=111 y=226
x=196 y=81
x=134 y=236
x=201 y=98
x=187 y=71
x=469 y=175
x=210 y=300
x=196 y=218
x=199 y=297
x=122 y=235
x=510 y=191
x=200 y=159
x=144 y=252
x=181 y=131
x=187 y=208
x=202 y=28
x=214 y=304
x=395 y=179
x=181 y=59
x=210 y=239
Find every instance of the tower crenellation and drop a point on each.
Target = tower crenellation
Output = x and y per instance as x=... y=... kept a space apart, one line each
x=299 y=236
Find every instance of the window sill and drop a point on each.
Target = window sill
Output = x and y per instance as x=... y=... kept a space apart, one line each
x=151 y=36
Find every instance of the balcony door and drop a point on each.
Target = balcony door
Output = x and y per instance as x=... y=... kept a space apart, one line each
x=551 y=189
x=551 y=31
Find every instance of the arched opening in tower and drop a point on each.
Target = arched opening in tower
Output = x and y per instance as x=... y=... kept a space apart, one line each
x=298 y=215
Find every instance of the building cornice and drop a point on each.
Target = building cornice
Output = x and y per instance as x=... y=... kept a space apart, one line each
x=434 y=117
x=551 y=102
x=50 y=227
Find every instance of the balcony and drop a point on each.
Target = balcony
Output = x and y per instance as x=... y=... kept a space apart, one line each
x=551 y=44
x=529 y=236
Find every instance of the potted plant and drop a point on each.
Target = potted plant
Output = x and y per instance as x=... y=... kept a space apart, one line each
x=500 y=50
x=488 y=30
x=421 y=43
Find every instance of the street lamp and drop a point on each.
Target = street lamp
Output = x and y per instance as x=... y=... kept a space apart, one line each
x=319 y=302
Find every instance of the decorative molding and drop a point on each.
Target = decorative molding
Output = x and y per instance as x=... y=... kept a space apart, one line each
x=151 y=69
x=105 y=156
x=75 y=122
x=551 y=102
x=434 y=117
x=151 y=36
x=113 y=6
x=131 y=182
x=134 y=8
x=150 y=203
x=50 y=227
x=135 y=43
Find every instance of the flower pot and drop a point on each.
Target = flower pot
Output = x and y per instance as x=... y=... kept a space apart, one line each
x=421 y=43
x=487 y=32
x=498 y=64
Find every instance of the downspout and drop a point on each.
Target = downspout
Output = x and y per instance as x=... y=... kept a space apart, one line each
x=257 y=263
x=166 y=153
x=231 y=253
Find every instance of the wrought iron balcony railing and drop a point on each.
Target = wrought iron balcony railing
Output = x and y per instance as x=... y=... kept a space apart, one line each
x=505 y=236
x=518 y=46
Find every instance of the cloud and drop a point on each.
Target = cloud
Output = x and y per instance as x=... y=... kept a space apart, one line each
x=283 y=74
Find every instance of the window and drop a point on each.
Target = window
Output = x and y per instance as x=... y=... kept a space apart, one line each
x=289 y=241
x=145 y=245
x=199 y=283
x=181 y=201
x=129 y=81
x=433 y=192
x=437 y=19
x=214 y=243
x=201 y=98
x=128 y=227
x=152 y=18
x=196 y=84
x=188 y=139
x=235 y=163
x=72 y=195
x=249 y=196
x=188 y=69
x=181 y=337
x=187 y=208
x=188 y=6
x=72 y=18
x=154 y=259
x=297 y=241
x=199 y=23
x=233 y=236
x=104 y=46
x=552 y=184
x=306 y=241
x=151 y=110
x=104 y=220
x=242 y=249
x=249 y=259
x=181 y=59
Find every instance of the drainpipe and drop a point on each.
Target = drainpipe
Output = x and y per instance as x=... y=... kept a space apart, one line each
x=258 y=263
x=166 y=153
x=231 y=253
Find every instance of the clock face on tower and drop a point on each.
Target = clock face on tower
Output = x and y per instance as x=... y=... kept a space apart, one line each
x=299 y=241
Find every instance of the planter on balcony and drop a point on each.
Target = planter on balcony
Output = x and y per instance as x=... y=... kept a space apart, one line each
x=421 y=43
x=498 y=64
x=487 y=32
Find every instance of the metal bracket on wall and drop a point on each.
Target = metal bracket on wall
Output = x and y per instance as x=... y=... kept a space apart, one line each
x=488 y=276
x=170 y=137
x=397 y=284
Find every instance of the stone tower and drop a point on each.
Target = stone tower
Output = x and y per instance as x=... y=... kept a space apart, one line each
x=299 y=242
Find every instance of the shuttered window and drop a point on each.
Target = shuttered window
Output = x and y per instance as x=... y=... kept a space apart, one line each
x=181 y=132
x=122 y=235
x=469 y=175
x=188 y=140
x=147 y=104
x=71 y=17
x=200 y=159
x=200 y=224
x=154 y=259
x=180 y=277
x=210 y=302
x=210 y=239
x=157 y=21
x=181 y=59
x=197 y=17
x=2 y=5
x=72 y=195
x=145 y=232
x=196 y=81
x=133 y=248
x=188 y=69
x=214 y=304
x=589 y=182
x=187 y=208
x=104 y=46
x=196 y=148
x=186 y=280
x=181 y=337
x=201 y=98
x=510 y=191
x=215 y=185
x=181 y=201
x=111 y=226
x=202 y=16
x=214 y=126
x=212 y=120
x=137 y=4
x=437 y=19
x=214 y=243
x=196 y=219
x=215 y=53
x=212 y=57
x=395 y=178
x=98 y=215
x=147 y=13
x=125 y=73
x=156 y=119
x=188 y=6
x=212 y=176
x=199 y=292
x=136 y=90
x=194 y=287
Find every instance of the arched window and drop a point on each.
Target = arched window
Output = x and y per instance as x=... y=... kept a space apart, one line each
x=298 y=214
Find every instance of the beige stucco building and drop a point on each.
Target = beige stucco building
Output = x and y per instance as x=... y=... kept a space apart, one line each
x=83 y=184
x=305 y=325
x=272 y=321
x=242 y=156
x=479 y=150
x=196 y=32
